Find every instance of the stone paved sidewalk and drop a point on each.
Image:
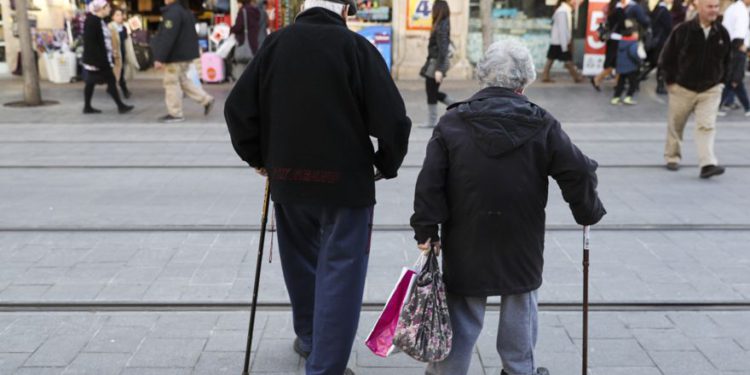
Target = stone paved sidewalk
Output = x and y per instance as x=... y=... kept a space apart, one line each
x=633 y=343
x=210 y=267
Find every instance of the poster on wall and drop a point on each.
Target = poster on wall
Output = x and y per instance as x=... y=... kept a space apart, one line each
x=594 y=48
x=419 y=14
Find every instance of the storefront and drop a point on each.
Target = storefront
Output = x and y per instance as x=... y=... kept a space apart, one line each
x=50 y=24
x=529 y=21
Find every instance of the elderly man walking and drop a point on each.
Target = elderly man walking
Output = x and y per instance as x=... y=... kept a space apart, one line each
x=483 y=190
x=303 y=113
x=695 y=60
x=175 y=47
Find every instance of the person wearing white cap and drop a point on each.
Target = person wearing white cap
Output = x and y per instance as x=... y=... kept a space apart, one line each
x=98 y=59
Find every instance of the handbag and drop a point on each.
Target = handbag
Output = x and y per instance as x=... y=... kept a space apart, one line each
x=429 y=68
x=424 y=330
x=243 y=54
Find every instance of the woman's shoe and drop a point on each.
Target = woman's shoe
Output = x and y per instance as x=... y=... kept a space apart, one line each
x=90 y=110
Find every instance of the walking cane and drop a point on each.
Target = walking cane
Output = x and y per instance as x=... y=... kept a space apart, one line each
x=585 y=356
x=263 y=221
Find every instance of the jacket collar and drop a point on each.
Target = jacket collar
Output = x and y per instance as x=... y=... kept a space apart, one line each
x=491 y=92
x=695 y=24
x=170 y=6
x=320 y=16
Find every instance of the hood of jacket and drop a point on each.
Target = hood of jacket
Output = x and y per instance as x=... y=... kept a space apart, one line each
x=500 y=120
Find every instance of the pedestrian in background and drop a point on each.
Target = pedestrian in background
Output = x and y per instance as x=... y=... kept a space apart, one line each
x=303 y=113
x=661 y=25
x=737 y=22
x=175 y=46
x=678 y=11
x=562 y=41
x=613 y=27
x=248 y=11
x=98 y=57
x=438 y=60
x=481 y=197
x=122 y=45
x=628 y=65
x=695 y=60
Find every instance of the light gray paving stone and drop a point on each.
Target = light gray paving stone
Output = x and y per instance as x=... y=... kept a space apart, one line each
x=227 y=341
x=663 y=340
x=220 y=363
x=155 y=371
x=168 y=352
x=97 y=364
x=39 y=371
x=275 y=355
x=617 y=353
x=682 y=363
x=9 y=362
x=115 y=339
x=59 y=350
x=725 y=354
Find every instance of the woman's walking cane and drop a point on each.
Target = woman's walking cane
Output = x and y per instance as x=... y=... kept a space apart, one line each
x=585 y=356
x=263 y=221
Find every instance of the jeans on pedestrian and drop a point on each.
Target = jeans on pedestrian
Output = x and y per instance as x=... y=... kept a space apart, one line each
x=516 y=333
x=727 y=96
x=632 y=81
x=324 y=253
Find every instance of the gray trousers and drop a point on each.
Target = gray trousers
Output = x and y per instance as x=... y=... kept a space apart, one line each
x=516 y=333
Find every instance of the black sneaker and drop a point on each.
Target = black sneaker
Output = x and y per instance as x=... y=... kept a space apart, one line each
x=125 y=109
x=168 y=119
x=348 y=371
x=298 y=348
x=91 y=110
x=673 y=167
x=711 y=170
x=208 y=107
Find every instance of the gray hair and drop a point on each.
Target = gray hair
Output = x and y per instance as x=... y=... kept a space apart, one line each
x=508 y=64
x=325 y=4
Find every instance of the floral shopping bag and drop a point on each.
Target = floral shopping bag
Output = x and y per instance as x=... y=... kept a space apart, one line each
x=424 y=329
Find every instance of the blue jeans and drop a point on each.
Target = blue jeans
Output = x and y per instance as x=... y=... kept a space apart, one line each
x=324 y=253
x=727 y=97
x=516 y=334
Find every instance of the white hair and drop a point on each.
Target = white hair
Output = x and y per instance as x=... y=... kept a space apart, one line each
x=508 y=64
x=325 y=4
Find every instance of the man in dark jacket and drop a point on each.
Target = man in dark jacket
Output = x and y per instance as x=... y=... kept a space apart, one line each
x=175 y=46
x=695 y=60
x=481 y=195
x=303 y=113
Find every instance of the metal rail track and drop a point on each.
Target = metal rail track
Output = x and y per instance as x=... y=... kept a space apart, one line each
x=377 y=228
x=367 y=306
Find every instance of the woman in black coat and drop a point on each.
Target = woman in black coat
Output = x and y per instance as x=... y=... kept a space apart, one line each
x=613 y=26
x=98 y=59
x=661 y=26
x=481 y=196
x=438 y=60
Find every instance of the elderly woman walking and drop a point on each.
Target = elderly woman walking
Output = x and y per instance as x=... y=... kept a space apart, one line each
x=438 y=60
x=483 y=191
x=98 y=57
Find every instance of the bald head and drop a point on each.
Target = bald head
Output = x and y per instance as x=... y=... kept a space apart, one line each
x=708 y=11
